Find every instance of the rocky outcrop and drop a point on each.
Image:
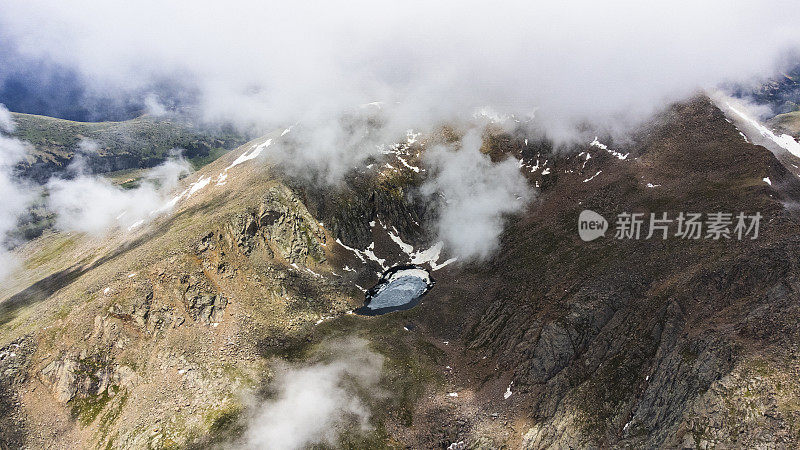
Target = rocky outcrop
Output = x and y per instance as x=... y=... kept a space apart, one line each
x=138 y=311
x=645 y=344
x=280 y=225
x=183 y=295
x=349 y=209
x=69 y=377
x=61 y=376
x=203 y=304
x=207 y=308
x=15 y=362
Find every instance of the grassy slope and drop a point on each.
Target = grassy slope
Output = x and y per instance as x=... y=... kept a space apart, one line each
x=788 y=123
x=139 y=143
x=265 y=322
x=136 y=143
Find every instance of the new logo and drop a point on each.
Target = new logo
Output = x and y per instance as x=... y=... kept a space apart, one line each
x=591 y=225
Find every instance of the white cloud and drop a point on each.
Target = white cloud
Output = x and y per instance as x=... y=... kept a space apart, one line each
x=6 y=122
x=87 y=147
x=313 y=403
x=280 y=62
x=477 y=194
x=270 y=63
x=92 y=204
x=153 y=106
x=16 y=194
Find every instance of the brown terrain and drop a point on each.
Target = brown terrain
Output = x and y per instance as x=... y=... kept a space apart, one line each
x=156 y=337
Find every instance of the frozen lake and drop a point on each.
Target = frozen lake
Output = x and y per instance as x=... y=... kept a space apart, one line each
x=399 y=288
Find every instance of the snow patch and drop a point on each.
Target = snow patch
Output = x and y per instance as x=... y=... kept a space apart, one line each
x=784 y=141
x=136 y=224
x=533 y=167
x=196 y=186
x=221 y=179
x=403 y=161
x=592 y=177
x=596 y=143
x=406 y=248
x=618 y=155
x=508 y=391
x=411 y=137
x=255 y=151
x=369 y=252
x=365 y=254
x=428 y=256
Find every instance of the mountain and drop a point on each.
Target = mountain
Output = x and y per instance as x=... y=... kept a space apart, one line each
x=166 y=335
x=788 y=123
x=781 y=93
x=113 y=146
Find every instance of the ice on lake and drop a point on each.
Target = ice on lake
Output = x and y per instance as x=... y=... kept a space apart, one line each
x=399 y=288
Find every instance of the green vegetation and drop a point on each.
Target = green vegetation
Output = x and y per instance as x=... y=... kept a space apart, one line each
x=85 y=410
x=201 y=160
x=111 y=415
x=131 y=178
x=48 y=253
x=410 y=368
x=136 y=143
x=225 y=422
x=789 y=122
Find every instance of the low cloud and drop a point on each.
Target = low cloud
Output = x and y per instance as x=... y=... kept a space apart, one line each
x=17 y=194
x=6 y=121
x=324 y=147
x=312 y=404
x=92 y=204
x=87 y=147
x=153 y=106
x=477 y=196
x=564 y=62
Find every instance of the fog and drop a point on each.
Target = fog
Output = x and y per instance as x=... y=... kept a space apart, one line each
x=276 y=62
x=16 y=193
x=476 y=196
x=313 y=403
x=92 y=204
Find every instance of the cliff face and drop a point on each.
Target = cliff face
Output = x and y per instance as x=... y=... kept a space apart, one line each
x=153 y=337
x=653 y=342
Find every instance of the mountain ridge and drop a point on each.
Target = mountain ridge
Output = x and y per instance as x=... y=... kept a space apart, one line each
x=551 y=342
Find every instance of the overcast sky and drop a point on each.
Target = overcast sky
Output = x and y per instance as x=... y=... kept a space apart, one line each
x=277 y=62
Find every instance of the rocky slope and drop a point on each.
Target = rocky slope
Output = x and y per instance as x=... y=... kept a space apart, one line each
x=156 y=337
x=653 y=343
